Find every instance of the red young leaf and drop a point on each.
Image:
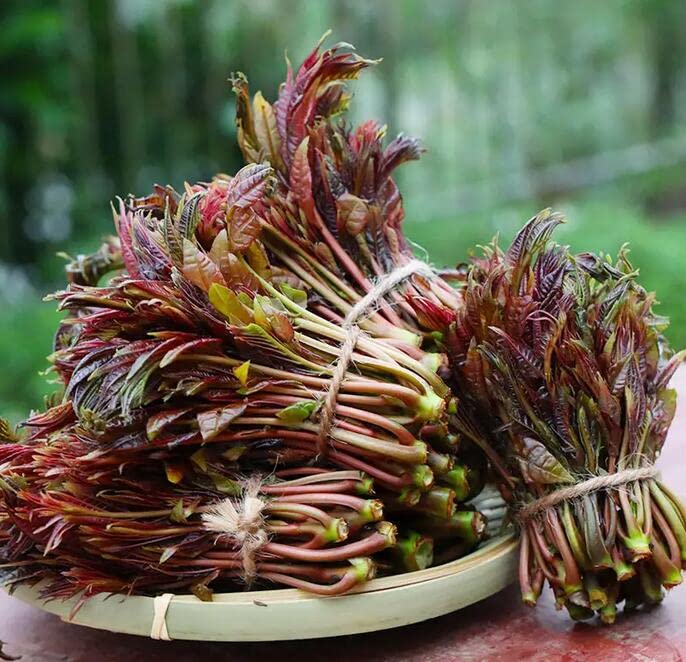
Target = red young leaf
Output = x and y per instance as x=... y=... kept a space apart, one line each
x=198 y=268
x=248 y=186
x=158 y=422
x=215 y=421
x=353 y=214
x=123 y=222
x=300 y=180
x=244 y=228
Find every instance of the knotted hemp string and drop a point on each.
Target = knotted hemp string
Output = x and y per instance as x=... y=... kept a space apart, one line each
x=383 y=286
x=242 y=520
x=589 y=486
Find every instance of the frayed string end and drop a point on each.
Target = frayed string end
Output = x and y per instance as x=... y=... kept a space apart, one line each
x=242 y=520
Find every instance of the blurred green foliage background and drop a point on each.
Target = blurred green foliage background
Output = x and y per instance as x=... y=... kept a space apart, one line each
x=521 y=104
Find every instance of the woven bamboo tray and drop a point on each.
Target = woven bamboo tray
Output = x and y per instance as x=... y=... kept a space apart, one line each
x=290 y=614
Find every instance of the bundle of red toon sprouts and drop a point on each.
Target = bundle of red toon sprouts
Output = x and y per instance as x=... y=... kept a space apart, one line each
x=260 y=385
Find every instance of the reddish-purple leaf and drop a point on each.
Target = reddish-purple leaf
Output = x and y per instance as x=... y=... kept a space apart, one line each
x=123 y=223
x=198 y=267
x=192 y=345
x=214 y=422
x=248 y=186
x=353 y=214
x=300 y=181
x=244 y=228
x=158 y=422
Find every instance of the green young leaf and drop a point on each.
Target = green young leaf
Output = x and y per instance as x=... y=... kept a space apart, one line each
x=224 y=484
x=257 y=258
x=245 y=125
x=178 y=514
x=259 y=314
x=199 y=459
x=234 y=453
x=242 y=372
x=265 y=129
x=295 y=295
x=7 y=434
x=666 y=399
x=220 y=247
x=228 y=304
x=298 y=412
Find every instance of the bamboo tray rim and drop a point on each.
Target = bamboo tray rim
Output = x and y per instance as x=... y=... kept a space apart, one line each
x=497 y=545
x=280 y=614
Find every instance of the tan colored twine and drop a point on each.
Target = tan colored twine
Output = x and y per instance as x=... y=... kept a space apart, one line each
x=589 y=486
x=383 y=286
x=242 y=520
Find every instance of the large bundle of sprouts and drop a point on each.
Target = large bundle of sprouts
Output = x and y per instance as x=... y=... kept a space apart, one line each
x=198 y=358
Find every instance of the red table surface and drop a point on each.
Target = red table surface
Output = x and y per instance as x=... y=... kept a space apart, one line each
x=497 y=628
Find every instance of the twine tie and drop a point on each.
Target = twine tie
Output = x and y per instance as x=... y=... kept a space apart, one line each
x=242 y=520
x=352 y=333
x=589 y=486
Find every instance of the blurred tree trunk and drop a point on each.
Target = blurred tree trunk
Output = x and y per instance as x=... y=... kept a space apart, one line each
x=384 y=36
x=129 y=100
x=665 y=21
